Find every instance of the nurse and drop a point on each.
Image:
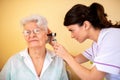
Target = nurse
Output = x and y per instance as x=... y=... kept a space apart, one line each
x=90 y=22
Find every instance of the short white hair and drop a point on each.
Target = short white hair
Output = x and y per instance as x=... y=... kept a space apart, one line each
x=40 y=20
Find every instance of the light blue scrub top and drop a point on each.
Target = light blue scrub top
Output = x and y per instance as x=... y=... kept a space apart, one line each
x=20 y=67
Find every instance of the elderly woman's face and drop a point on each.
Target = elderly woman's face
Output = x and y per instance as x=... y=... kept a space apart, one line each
x=34 y=35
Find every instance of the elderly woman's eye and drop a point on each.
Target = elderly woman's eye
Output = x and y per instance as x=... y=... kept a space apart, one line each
x=26 y=32
x=36 y=31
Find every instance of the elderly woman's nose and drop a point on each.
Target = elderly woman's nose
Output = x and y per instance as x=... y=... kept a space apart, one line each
x=32 y=34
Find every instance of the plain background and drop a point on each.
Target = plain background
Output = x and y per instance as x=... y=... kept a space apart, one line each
x=12 y=11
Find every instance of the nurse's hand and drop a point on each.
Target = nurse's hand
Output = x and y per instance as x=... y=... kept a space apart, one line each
x=61 y=51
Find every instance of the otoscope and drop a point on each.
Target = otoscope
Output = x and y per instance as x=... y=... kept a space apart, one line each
x=51 y=37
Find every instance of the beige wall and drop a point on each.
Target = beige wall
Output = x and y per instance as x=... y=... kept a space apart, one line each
x=12 y=11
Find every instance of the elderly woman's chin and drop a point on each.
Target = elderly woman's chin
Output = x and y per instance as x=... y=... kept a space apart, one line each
x=33 y=45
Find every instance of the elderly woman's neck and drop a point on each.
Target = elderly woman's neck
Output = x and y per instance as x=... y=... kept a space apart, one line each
x=37 y=53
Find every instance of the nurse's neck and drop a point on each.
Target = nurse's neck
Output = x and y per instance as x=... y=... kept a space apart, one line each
x=94 y=34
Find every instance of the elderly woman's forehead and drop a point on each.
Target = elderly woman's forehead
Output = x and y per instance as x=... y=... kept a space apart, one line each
x=34 y=23
x=30 y=22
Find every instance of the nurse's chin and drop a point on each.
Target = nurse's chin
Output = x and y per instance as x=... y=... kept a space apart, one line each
x=80 y=41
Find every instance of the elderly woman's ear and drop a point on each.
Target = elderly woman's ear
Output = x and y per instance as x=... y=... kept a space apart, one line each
x=49 y=31
x=48 y=37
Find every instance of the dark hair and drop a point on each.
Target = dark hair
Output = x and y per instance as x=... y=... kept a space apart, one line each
x=93 y=13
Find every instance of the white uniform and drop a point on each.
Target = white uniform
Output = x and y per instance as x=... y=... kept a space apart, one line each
x=105 y=54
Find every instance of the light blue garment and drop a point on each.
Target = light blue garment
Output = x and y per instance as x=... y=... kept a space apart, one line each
x=20 y=67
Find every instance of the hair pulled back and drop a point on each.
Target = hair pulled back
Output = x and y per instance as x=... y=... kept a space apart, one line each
x=94 y=14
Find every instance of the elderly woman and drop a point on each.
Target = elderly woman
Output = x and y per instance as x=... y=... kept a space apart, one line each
x=36 y=62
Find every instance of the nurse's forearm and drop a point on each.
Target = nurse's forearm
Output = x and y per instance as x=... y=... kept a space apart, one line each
x=80 y=58
x=82 y=72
